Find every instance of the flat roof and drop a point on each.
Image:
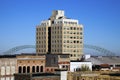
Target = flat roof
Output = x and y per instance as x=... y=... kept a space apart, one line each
x=7 y=56
x=104 y=60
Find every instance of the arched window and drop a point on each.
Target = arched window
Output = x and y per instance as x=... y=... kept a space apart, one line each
x=20 y=69
x=24 y=69
x=52 y=70
x=41 y=68
x=28 y=69
x=33 y=69
x=47 y=70
x=37 y=68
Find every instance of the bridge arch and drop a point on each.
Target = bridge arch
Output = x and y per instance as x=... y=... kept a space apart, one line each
x=100 y=49
x=18 y=48
x=97 y=48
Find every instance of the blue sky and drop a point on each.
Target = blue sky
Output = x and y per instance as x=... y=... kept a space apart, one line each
x=101 y=20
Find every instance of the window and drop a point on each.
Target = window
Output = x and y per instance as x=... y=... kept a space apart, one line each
x=74 y=51
x=80 y=28
x=47 y=69
x=52 y=70
x=24 y=69
x=37 y=68
x=33 y=69
x=75 y=54
x=20 y=69
x=77 y=37
x=117 y=65
x=67 y=66
x=80 y=37
x=64 y=32
x=60 y=21
x=28 y=69
x=74 y=28
x=67 y=41
x=80 y=33
x=63 y=66
x=41 y=68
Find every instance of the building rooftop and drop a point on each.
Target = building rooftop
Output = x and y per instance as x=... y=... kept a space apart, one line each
x=44 y=74
x=104 y=60
x=7 y=56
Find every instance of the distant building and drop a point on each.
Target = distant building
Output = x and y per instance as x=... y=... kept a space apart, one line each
x=111 y=63
x=60 y=35
x=7 y=67
x=57 y=61
x=93 y=75
x=79 y=66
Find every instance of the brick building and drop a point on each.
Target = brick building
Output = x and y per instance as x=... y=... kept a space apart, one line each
x=27 y=63
x=57 y=61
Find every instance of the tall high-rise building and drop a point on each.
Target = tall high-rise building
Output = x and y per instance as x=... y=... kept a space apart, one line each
x=60 y=35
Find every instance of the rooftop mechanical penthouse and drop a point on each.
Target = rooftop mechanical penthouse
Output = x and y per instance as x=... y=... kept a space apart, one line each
x=60 y=35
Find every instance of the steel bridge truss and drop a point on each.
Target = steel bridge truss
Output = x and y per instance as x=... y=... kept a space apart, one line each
x=97 y=48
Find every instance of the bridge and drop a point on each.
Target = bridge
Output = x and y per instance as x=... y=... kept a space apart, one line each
x=96 y=48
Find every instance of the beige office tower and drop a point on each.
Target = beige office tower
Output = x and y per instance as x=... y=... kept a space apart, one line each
x=60 y=35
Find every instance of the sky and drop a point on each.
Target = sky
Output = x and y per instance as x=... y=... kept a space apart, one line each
x=100 y=18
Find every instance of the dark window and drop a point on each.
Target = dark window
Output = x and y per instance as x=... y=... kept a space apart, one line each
x=74 y=41
x=37 y=69
x=80 y=37
x=80 y=33
x=33 y=69
x=41 y=68
x=47 y=69
x=80 y=28
x=52 y=22
x=28 y=69
x=52 y=70
x=20 y=69
x=24 y=69
x=63 y=66
x=117 y=65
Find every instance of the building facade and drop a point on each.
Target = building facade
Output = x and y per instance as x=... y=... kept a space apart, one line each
x=93 y=75
x=60 y=35
x=7 y=67
x=57 y=61
x=30 y=63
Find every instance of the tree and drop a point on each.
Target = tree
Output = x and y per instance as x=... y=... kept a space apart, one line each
x=84 y=68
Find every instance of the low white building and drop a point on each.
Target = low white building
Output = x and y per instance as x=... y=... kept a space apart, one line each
x=7 y=67
x=63 y=75
x=74 y=65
